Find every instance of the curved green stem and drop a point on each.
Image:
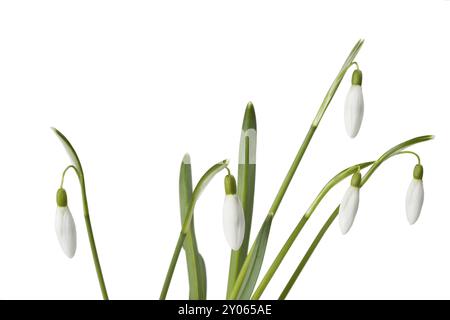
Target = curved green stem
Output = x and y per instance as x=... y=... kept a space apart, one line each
x=201 y=185
x=412 y=153
x=287 y=245
x=79 y=170
x=397 y=150
x=65 y=171
x=90 y=233
x=391 y=152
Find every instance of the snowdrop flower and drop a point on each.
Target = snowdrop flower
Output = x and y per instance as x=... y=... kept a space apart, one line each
x=349 y=204
x=233 y=215
x=65 y=225
x=354 y=105
x=415 y=195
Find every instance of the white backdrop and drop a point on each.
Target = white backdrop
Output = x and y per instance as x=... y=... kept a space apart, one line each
x=135 y=85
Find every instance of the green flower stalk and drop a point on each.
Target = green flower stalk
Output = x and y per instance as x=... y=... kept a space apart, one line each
x=65 y=227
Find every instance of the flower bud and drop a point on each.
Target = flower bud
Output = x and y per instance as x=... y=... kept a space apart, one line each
x=354 y=105
x=415 y=195
x=233 y=215
x=349 y=204
x=65 y=225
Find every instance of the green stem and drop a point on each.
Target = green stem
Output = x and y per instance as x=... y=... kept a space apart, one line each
x=391 y=152
x=65 y=171
x=308 y=254
x=287 y=180
x=412 y=153
x=172 y=266
x=287 y=245
x=90 y=233
x=397 y=150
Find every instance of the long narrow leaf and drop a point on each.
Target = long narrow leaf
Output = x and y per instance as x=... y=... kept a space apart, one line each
x=196 y=269
x=246 y=189
x=248 y=276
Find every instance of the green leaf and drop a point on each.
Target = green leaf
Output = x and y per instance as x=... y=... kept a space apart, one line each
x=203 y=283
x=194 y=261
x=246 y=281
x=245 y=190
x=201 y=185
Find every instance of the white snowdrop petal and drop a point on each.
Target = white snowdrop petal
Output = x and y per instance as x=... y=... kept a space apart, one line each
x=66 y=231
x=354 y=110
x=233 y=221
x=414 y=200
x=348 y=209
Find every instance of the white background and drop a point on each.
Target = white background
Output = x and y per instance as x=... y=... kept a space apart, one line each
x=134 y=85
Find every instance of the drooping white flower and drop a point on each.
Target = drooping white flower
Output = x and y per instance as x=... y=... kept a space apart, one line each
x=415 y=196
x=233 y=215
x=65 y=225
x=349 y=204
x=354 y=106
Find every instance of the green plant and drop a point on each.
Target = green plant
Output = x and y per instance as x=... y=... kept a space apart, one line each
x=65 y=226
x=245 y=263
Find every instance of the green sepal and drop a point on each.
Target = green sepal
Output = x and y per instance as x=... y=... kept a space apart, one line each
x=418 y=172
x=61 y=198
x=356 y=180
x=357 y=77
x=230 y=185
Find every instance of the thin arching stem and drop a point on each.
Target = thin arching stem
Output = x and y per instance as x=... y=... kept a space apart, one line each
x=65 y=171
x=412 y=153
